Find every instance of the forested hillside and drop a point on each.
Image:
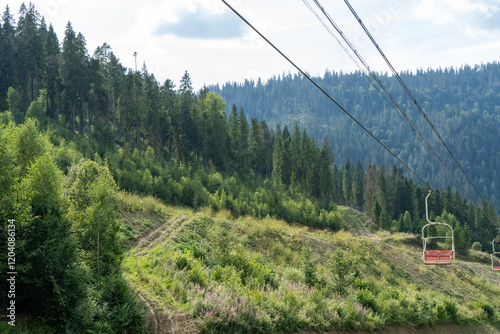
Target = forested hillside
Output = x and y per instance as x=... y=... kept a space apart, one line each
x=463 y=104
x=75 y=128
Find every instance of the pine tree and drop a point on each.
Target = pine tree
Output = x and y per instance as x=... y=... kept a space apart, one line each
x=73 y=75
x=278 y=153
x=370 y=187
x=358 y=186
x=92 y=197
x=347 y=182
x=376 y=210
x=326 y=181
x=52 y=283
x=296 y=156
x=52 y=80
x=29 y=54
x=7 y=58
x=256 y=148
x=243 y=153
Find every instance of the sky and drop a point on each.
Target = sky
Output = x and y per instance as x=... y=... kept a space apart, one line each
x=209 y=41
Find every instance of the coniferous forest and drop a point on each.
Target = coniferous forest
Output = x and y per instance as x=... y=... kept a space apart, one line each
x=77 y=127
x=462 y=103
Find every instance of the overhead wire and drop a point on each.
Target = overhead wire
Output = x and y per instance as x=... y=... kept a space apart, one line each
x=346 y=51
x=379 y=82
x=322 y=90
x=415 y=102
x=408 y=92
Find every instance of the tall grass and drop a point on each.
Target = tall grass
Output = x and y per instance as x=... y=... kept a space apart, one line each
x=249 y=275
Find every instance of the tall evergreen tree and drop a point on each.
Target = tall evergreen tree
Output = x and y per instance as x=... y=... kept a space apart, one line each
x=326 y=181
x=243 y=153
x=52 y=80
x=347 y=176
x=29 y=53
x=358 y=186
x=7 y=64
x=73 y=75
x=256 y=149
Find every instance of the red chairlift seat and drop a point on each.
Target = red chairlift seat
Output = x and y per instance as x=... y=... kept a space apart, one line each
x=439 y=257
x=436 y=257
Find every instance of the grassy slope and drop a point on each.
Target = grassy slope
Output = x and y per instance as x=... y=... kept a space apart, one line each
x=248 y=275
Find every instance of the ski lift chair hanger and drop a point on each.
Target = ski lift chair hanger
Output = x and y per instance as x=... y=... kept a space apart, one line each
x=437 y=257
x=495 y=267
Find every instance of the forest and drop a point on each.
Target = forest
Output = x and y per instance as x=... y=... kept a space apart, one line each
x=462 y=103
x=76 y=128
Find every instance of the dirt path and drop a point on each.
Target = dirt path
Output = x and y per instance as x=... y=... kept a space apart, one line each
x=161 y=320
x=360 y=222
x=149 y=240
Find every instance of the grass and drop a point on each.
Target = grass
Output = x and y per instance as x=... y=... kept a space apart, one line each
x=248 y=275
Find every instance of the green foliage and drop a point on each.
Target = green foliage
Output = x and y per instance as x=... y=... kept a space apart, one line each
x=92 y=197
x=477 y=246
x=14 y=103
x=52 y=275
x=310 y=274
x=29 y=144
x=488 y=309
x=38 y=108
x=124 y=309
x=57 y=285
x=342 y=270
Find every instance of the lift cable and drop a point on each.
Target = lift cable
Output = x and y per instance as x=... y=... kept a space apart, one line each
x=377 y=80
x=321 y=89
x=408 y=92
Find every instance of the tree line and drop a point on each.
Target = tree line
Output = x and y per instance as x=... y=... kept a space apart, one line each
x=178 y=144
x=462 y=103
x=75 y=123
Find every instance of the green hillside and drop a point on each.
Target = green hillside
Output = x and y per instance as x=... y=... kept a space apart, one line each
x=131 y=206
x=214 y=273
x=462 y=103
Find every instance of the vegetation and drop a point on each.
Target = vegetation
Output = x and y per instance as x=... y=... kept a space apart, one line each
x=67 y=249
x=462 y=103
x=249 y=275
x=77 y=128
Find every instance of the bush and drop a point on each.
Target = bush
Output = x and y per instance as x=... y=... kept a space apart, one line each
x=487 y=308
x=367 y=299
x=197 y=274
x=126 y=313
x=182 y=261
x=342 y=271
x=310 y=274
x=476 y=246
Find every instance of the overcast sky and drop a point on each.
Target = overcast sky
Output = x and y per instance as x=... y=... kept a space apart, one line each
x=209 y=41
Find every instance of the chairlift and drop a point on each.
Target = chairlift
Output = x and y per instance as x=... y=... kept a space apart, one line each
x=437 y=257
x=495 y=267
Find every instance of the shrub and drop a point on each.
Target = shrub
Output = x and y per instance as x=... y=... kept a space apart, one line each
x=342 y=271
x=487 y=308
x=476 y=246
x=125 y=311
x=197 y=274
x=452 y=309
x=310 y=275
x=367 y=299
x=182 y=261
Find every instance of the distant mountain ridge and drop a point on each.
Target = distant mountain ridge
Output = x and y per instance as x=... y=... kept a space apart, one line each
x=463 y=104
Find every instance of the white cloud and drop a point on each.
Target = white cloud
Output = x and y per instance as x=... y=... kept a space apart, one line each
x=441 y=12
x=414 y=34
